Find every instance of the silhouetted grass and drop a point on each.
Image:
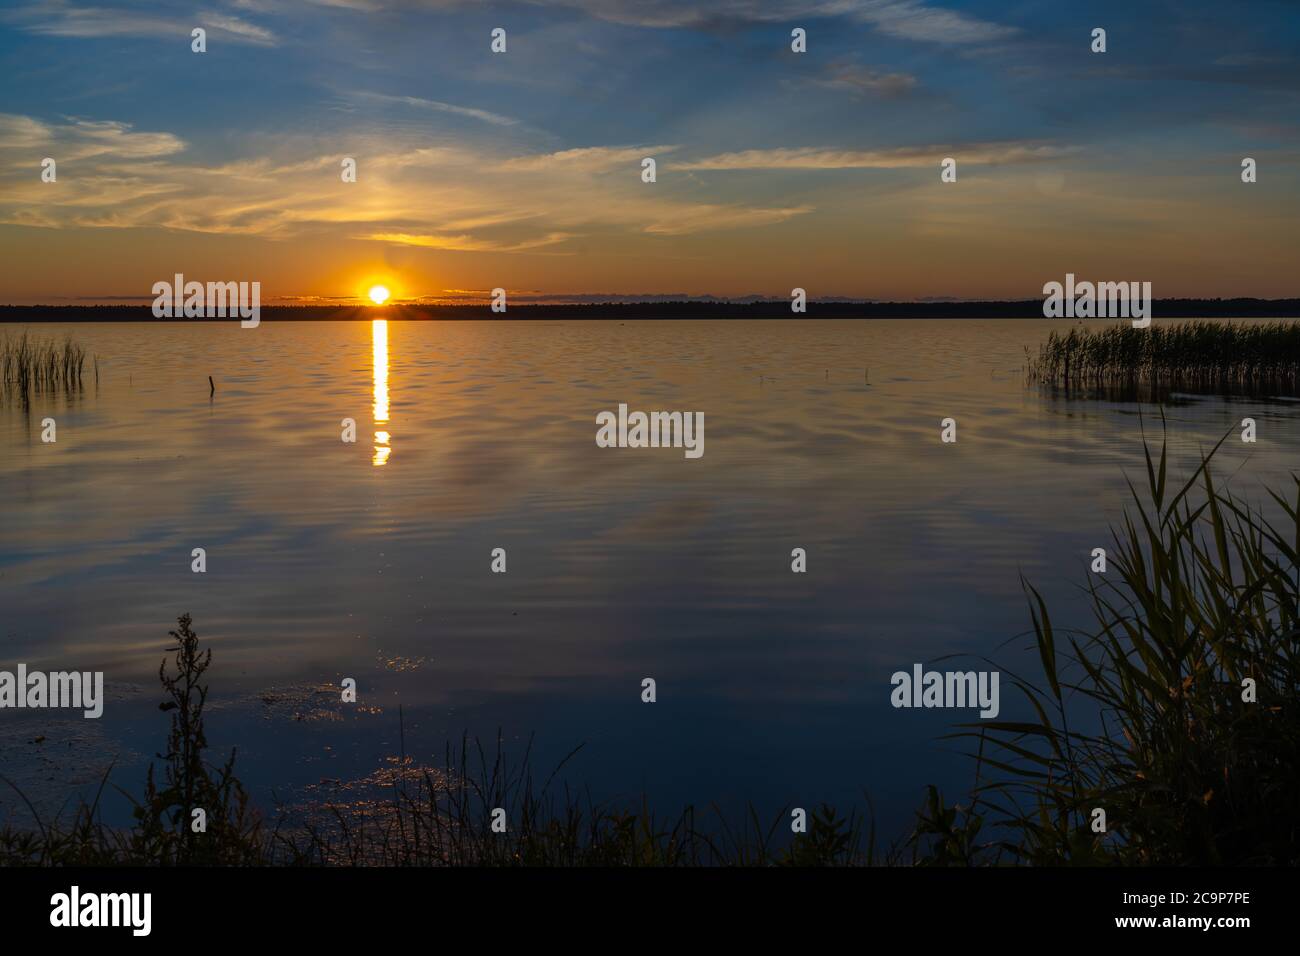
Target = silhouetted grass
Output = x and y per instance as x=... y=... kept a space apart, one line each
x=445 y=817
x=429 y=817
x=1190 y=678
x=166 y=831
x=31 y=366
x=1254 y=357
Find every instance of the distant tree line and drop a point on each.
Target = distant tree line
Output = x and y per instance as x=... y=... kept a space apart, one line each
x=689 y=309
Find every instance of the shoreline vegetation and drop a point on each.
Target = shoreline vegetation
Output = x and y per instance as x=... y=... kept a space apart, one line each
x=32 y=366
x=1233 y=308
x=1227 y=357
x=1175 y=712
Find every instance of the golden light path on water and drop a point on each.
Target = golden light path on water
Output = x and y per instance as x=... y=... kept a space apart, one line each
x=379 y=348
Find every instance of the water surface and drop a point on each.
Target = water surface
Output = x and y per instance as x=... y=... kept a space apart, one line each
x=371 y=560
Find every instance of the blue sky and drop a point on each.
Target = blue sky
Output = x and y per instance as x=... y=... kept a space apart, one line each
x=522 y=169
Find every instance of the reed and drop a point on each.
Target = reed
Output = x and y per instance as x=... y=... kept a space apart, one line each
x=1248 y=357
x=30 y=366
x=1176 y=712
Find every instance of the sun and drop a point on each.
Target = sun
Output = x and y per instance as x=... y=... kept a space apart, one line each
x=378 y=294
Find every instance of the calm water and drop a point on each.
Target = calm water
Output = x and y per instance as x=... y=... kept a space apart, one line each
x=371 y=560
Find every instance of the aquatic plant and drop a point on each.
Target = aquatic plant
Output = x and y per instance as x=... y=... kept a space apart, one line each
x=1176 y=713
x=30 y=366
x=167 y=831
x=1253 y=357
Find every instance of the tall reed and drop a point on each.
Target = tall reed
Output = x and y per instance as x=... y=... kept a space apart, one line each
x=1178 y=713
x=30 y=366
x=1253 y=357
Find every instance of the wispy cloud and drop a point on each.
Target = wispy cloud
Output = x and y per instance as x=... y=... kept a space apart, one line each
x=75 y=139
x=235 y=28
x=813 y=157
x=861 y=80
x=709 y=217
x=479 y=199
x=23 y=132
x=62 y=19
x=465 y=243
x=917 y=20
x=908 y=19
x=590 y=159
x=437 y=106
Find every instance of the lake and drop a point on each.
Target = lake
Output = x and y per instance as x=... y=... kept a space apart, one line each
x=371 y=560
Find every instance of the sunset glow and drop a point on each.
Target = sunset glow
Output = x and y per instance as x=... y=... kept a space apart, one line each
x=426 y=182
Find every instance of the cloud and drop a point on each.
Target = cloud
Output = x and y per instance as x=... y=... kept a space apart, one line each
x=914 y=20
x=77 y=139
x=62 y=19
x=23 y=132
x=235 y=29
x=861 y=80
x=591 y=159
x=368 y=6
x=465 y=243
x=416 y=102
x=458 y=199
x=813 y=157
x=702 y=218
x=88 y=138
x=908 y=19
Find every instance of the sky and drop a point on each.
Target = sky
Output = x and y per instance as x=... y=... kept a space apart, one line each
x=523 y=170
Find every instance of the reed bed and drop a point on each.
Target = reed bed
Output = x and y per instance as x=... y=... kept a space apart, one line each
x=1251 y=357
x=31 y=366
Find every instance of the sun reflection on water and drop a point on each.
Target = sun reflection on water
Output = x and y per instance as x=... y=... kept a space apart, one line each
x=379 y=344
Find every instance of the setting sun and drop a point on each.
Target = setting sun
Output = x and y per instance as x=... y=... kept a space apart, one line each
x=378 y=294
